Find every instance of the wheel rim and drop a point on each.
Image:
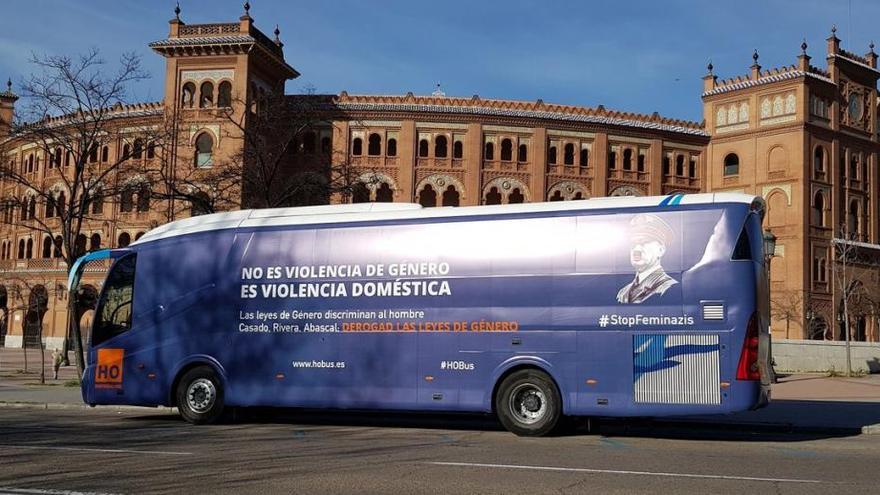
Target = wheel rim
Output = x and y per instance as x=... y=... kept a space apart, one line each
x=528 y=404
x=201 y=395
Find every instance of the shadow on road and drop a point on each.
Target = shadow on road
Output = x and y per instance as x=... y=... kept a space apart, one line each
x=783 y=421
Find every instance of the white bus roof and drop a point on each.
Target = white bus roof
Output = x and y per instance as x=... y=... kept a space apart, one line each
x=368 y=212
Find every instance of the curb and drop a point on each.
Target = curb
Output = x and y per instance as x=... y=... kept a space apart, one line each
x=779 y=428
x=56 y=406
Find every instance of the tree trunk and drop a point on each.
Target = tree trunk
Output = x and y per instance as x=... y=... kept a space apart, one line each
x=74 y=330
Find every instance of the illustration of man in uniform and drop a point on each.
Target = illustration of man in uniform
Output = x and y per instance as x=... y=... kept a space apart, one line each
x=649 y=235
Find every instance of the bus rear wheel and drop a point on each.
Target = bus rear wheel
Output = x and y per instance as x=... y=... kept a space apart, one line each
x=528 y=403
x=200 y=396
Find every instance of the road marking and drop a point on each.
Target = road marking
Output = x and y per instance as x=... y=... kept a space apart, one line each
x=33 y=491
x=615 y=471
x=85 y=449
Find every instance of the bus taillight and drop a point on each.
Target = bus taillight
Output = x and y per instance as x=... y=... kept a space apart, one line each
x=748 y=359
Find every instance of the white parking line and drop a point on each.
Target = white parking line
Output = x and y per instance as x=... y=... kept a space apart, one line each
x=615 y=471
x=85 y=449
x=35 y=491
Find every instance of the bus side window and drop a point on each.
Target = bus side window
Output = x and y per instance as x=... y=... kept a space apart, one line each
x=743 y=249
x=113 y=316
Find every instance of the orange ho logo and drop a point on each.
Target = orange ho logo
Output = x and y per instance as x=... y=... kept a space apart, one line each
x=109 y=371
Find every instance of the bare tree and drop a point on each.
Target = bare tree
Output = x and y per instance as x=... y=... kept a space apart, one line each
x=282 y=159
x=71 y=119
x=787 y=305
x=846 y=278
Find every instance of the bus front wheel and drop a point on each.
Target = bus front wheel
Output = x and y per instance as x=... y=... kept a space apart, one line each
x=200 y=396
x=528 y=403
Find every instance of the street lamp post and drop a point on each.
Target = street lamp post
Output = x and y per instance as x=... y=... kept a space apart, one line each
x=769 y=252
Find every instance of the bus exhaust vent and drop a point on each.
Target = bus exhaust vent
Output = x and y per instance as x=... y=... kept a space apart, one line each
x=713 y=311
x=676 y=369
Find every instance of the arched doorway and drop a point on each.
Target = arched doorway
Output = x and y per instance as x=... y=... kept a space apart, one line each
x=38 y=304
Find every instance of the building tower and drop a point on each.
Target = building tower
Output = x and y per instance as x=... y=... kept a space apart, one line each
x=805 y=139
x=214 y=74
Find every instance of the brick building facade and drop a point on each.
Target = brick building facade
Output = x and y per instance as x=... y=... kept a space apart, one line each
x=805 y=138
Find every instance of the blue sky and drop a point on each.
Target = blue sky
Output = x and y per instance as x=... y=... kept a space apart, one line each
x=640 y=56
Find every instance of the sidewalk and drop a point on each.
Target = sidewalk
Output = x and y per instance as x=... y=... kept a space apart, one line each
x=800 y=403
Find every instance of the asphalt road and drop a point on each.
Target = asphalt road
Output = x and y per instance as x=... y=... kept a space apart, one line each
x=106 y=451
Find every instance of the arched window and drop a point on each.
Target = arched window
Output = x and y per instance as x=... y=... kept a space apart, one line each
x=357 y=147
x=60 y=204
x=423 y=148
x=612 y=160
x=360 y=193
x=143 y=198
x=523 y=155
x=731 y=164
x=188 y=95
x=489 y=151
x=493 y=197
x=204 y=150
x=516 y=196
x=374 y=145
x=391 y=147
x=50 y=205
x=206 y=95
x=450 y=197
x=80 y=245
x=105 y=155
x=627 y=159
x=679 y=165
x=124 y=240
x=310 y=142
x=97 y=200
x=32 y=208
x=585 y=157
x=640 y=163
x=325 y=145
x=47 y=247
x=138 y=235
x=93 y=153
x=151 y=150
x=506 y=150
x=568 y=154
x=819 y=160
x=852 y=218
x=126 y=152
x=126 y=200
x=551 y=155
x=557 y=196
x=853 y=166
x=692 y=168
x=200 y=205
x=441 y=146
x=21 y=249
x=457 y=149
x=95 y=242
x=56 y=157
x=666 y=165
x=819 y=210
x=138 y=150
x=58 y=244
x=224 y=98
x=428 y=196
x=29 y=254
x=384 y=194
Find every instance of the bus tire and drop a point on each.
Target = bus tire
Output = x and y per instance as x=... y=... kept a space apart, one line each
x=200 y=396
x=528 y=403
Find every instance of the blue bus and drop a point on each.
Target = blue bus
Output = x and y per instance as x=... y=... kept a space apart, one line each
x=650 y=306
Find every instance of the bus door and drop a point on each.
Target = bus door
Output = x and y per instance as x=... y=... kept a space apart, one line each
x=111 y=369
